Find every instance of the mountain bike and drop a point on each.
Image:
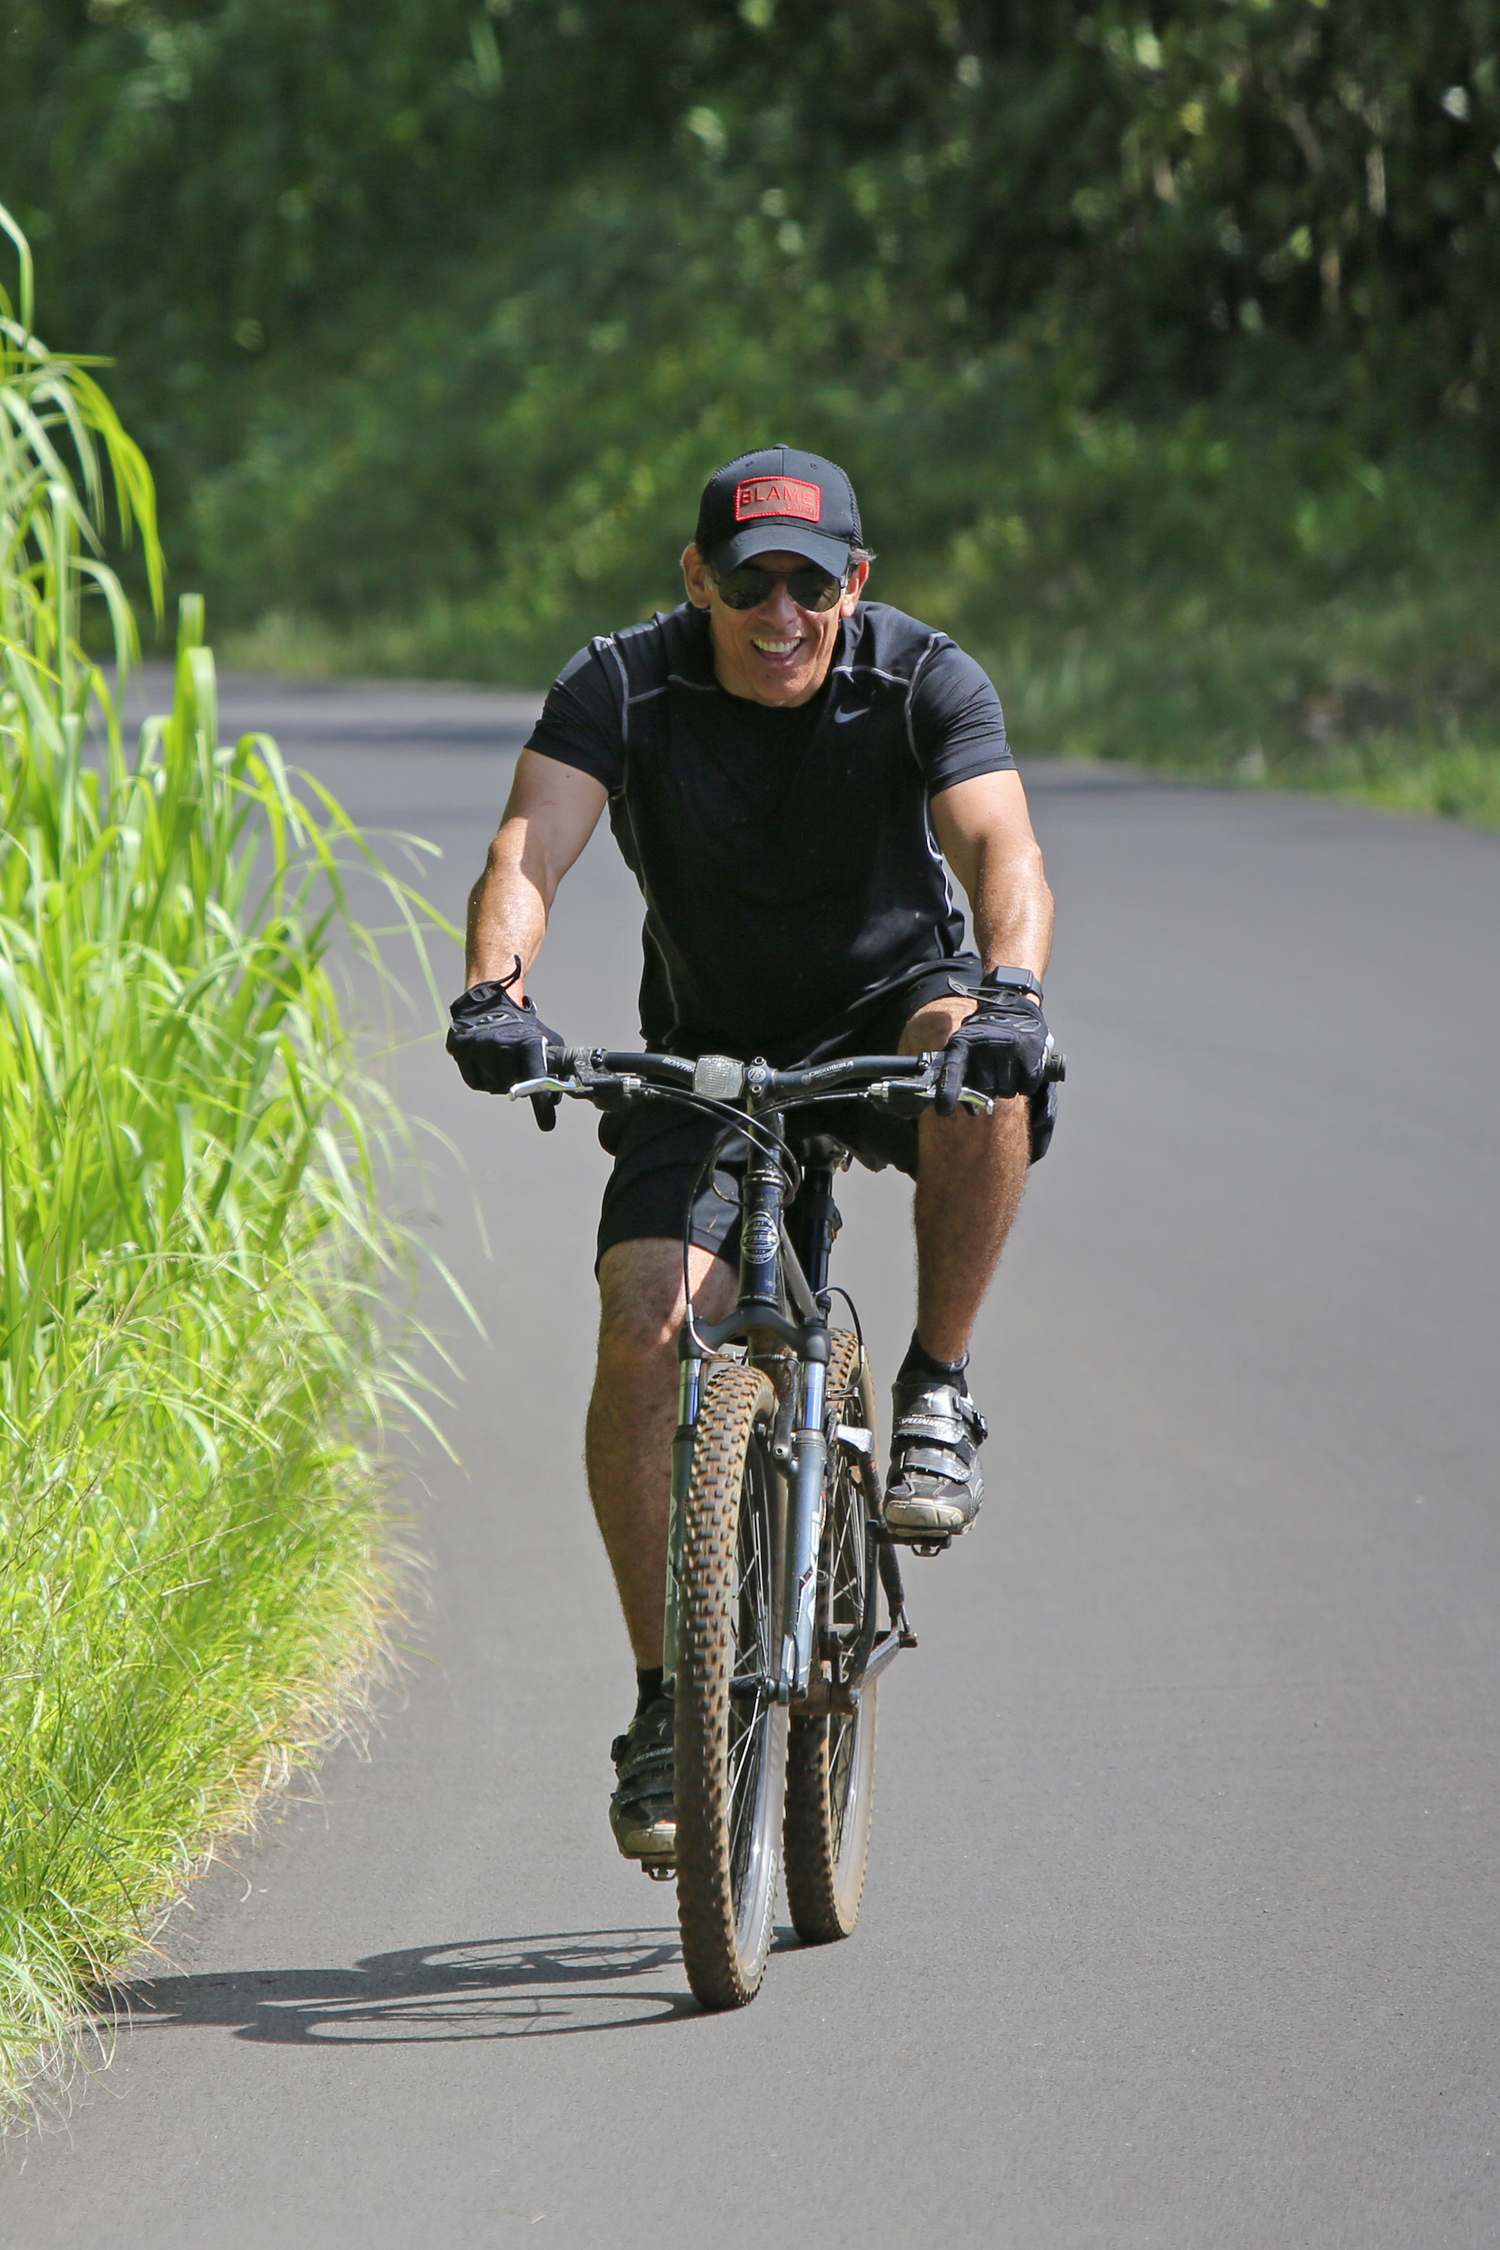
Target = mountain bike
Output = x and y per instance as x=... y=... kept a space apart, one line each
x=778 y=1568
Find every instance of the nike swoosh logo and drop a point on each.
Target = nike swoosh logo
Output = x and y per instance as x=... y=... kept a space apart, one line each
x=842 y=718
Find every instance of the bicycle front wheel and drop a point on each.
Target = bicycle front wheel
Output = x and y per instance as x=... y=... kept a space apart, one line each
x=730 y=1734
x=830 y=1782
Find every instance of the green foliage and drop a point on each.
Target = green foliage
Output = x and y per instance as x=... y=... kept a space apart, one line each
x=458 y=301
x=192 y=1390
x=1224 y=588
x=1228 y=593
x=1174 y=179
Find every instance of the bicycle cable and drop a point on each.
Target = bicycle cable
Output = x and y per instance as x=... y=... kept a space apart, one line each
x=768 y=1145
x=743 y=1126
x=836 y=1290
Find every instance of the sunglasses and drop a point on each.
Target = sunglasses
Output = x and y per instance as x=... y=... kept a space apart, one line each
x=810 y=588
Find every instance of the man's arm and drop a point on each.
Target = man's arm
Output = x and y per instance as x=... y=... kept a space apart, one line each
x=549 y=816
x=985 y=831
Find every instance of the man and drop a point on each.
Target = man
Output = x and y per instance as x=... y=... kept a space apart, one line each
x=787 y=768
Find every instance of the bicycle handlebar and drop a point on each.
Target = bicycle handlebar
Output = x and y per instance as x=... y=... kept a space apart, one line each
x=595 y=1073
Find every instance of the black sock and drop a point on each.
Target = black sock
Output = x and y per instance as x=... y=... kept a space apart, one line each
x=647 y=1686
x=920 y=1362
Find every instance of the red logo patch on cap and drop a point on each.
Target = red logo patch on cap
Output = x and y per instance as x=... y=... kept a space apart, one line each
x=778 y=496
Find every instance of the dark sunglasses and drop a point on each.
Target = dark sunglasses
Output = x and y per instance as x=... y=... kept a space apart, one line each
x=810 y=588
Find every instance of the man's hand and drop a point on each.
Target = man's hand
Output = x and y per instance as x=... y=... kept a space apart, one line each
x=497 y=1041
x=1000 y=1049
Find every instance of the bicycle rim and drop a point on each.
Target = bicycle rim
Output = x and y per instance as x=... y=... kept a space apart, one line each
x=730 y=1736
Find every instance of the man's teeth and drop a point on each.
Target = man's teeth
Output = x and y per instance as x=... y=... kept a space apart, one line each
x=775 y=648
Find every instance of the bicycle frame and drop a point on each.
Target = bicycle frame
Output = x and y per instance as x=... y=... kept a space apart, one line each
x=781 y=1304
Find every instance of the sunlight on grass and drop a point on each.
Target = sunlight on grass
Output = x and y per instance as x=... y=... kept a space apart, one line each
x=198 y=1361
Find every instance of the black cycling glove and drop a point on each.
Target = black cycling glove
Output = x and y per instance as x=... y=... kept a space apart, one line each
x=1001 y=1049
x=497 y=1041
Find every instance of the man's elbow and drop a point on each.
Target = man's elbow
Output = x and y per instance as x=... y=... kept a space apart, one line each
x=518 y=853
x=1013 y=870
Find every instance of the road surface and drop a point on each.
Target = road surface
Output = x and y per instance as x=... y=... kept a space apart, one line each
x=1182 y=1922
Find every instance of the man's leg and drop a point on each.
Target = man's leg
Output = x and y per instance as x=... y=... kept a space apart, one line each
x=971 y=1172
x=628 y=1446
x=633 y=1412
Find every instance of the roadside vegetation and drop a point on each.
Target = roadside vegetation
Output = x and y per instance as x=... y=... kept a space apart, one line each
x=194 y=1571
x=1162 y=341
x=1226 y=595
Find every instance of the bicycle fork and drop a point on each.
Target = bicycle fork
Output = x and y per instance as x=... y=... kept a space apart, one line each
x=800 y=1455
x=805 y=1470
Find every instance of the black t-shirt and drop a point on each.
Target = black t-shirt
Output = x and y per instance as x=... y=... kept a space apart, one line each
x=786 y=858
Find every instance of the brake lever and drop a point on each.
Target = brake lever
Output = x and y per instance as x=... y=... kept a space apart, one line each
x=530 y=1086
x=618 y=1086
x=903 y=1097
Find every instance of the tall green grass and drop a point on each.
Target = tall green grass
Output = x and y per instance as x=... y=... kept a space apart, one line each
x=195 y=1369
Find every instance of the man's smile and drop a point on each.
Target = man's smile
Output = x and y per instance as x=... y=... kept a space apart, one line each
x=779 y=653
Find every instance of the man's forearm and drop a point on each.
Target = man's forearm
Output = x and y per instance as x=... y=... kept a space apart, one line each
x=1012 y=907
x=508 y=909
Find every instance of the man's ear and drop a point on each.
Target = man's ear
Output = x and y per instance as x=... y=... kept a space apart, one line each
x=696 y=577
x=854 y=587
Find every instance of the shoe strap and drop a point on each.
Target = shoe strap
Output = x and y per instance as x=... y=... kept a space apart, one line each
x=940 y=1411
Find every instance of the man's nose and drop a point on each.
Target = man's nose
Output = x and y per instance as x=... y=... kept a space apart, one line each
x=780 y=610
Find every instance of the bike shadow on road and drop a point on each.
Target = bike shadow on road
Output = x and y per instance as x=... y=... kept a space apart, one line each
x=556 y=1982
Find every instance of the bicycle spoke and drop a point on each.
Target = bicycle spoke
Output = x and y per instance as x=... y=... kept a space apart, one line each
x=742 y=1800
x=840 y=1750
x=749 y=1601
x=742 y=1749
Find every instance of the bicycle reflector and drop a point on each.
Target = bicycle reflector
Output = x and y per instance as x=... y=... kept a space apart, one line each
x=720 y=1077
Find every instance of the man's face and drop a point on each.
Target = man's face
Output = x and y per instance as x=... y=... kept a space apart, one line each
x=776 y=654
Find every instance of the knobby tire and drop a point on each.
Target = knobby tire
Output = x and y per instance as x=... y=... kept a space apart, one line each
x=730 y=1749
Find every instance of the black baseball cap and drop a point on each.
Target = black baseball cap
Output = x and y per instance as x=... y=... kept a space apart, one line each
x=778 y=499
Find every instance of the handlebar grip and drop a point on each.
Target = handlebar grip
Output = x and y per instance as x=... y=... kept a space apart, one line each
x=1057 y=1068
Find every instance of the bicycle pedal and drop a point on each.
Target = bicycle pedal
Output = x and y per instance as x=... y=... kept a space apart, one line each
x=928 y=1546
x=659 y=1870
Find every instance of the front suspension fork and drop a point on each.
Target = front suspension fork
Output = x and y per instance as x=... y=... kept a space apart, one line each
x=804 y=1531
x=804 y=1471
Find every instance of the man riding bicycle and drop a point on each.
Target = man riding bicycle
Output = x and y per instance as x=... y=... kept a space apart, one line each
x=790 y=773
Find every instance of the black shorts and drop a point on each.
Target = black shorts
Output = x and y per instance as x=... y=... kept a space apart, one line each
x=659 y=1148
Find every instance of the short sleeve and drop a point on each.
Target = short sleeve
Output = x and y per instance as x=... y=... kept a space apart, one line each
x=957 y=725
x=582 y=719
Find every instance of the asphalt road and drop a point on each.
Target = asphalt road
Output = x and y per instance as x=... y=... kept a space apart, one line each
x=1182 y=1922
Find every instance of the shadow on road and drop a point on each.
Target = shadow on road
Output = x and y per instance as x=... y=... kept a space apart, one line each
x=480 y=1988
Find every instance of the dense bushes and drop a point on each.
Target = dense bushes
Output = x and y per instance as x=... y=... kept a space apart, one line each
x=436 y=315
x=1166 y=179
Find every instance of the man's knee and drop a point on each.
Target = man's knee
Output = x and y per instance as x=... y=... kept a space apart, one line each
x=641 y=1301
x=941 y=1141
